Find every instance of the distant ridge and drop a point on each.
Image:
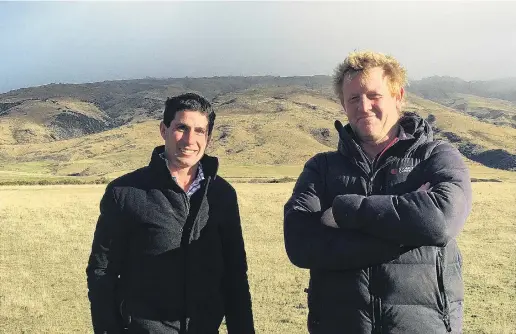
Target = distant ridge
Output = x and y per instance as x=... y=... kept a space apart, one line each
x=98 y=128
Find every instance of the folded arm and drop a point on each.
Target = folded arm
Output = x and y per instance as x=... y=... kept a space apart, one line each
x=418 y=218
x=311 y=244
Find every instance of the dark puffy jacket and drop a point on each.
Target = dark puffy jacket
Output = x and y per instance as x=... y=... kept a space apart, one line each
x=393 y=265
x=179 y=260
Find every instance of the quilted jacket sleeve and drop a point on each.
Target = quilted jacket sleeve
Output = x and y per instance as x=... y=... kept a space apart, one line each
x=239 y=315
x=418 y=218
x=104 y=267
x=311 y=244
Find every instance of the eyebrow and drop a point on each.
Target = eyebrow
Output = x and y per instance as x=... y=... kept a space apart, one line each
x=197 y=128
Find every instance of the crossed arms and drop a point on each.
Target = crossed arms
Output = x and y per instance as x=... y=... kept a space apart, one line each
x=372 y=229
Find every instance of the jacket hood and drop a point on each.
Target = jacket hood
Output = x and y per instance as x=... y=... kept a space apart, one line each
x=411 y=125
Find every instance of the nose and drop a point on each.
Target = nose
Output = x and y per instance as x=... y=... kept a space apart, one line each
x=188 y=137
x=365 y=104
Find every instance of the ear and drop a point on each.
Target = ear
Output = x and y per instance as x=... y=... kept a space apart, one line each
x=399 y=98
x=163 y=130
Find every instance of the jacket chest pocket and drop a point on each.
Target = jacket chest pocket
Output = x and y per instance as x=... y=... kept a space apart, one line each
x=402 y=176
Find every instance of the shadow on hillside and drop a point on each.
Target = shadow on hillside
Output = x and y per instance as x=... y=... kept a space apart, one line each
x=498 y=158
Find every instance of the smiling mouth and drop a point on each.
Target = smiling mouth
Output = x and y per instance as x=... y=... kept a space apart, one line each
x=365 y=118
x=185 y=151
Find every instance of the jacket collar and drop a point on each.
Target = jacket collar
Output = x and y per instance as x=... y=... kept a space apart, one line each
x=210 y=165
x=411 y=128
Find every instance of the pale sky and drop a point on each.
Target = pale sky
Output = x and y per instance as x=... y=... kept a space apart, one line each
x=76 y=42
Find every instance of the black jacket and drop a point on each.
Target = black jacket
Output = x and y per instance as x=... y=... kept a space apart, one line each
x=393 y=266
x=179 y=260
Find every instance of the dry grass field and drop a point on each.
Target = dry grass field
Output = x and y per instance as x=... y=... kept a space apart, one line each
x=263 y=133
x=46 y=233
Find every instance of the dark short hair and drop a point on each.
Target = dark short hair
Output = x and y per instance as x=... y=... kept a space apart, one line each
x=188 y=101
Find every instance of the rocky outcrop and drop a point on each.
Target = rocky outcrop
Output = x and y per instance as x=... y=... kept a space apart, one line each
x=72 y=124
x=498 y=158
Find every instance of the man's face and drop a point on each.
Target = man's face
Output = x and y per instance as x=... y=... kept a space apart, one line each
x=371 y=108
x=186 y=138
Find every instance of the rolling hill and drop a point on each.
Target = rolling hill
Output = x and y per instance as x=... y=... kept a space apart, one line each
x=489 y=101
x=265 y=126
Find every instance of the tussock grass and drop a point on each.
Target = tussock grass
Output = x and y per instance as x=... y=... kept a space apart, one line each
x=46 y=236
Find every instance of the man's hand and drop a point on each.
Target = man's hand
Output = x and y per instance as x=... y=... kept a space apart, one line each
x=328 y=219
x=425 y=187
x=345 y=210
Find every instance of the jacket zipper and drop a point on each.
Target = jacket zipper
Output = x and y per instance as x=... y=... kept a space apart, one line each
x=372 y=300
x=376 y=302
x=184 y=245
x=442 y=292
x=186 y=232
x=187 y=202
x=379 y=328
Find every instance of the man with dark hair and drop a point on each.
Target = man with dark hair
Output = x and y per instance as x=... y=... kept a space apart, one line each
x=168 y=254
x=376 y=220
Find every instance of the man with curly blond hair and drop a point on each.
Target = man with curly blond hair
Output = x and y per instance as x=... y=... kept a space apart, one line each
x=376 y=220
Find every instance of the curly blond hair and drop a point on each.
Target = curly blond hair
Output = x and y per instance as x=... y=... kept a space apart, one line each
x=362 y=62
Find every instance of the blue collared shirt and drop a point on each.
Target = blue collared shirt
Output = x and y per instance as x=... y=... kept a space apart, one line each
x=196 y=184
